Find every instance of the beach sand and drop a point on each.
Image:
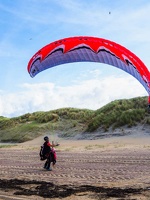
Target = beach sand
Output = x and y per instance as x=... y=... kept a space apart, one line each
x=109 y=168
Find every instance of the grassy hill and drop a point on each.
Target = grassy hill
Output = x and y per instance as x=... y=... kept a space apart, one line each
x=68 y=122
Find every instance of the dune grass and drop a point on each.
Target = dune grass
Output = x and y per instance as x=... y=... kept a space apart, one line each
x=67 y=122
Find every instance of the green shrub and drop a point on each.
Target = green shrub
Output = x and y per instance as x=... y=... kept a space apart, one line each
x=130 y=117
x=47 y=117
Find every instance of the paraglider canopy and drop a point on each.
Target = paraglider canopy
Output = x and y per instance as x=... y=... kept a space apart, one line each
x=90 y=49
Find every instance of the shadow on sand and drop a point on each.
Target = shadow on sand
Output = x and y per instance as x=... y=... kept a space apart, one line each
x=50 y=190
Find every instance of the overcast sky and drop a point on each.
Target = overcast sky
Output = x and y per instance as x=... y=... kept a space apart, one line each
x=28 y=25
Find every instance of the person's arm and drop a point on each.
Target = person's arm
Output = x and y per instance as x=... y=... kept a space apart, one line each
x=54 y=145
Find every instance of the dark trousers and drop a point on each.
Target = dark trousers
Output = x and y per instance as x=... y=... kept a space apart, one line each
x=48 y=162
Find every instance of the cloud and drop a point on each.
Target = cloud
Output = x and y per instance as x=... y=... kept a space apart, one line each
x=90 y=94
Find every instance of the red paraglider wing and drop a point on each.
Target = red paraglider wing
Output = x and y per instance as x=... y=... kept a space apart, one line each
x=91 y=49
